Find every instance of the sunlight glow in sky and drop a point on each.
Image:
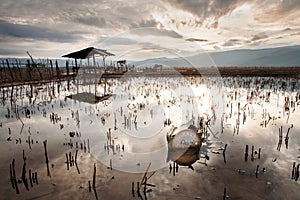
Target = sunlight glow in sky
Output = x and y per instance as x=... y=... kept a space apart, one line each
x=139 y=29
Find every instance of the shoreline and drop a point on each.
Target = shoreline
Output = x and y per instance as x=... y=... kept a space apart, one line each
x=14 y=77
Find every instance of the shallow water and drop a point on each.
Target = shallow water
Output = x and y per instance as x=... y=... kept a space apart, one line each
x=127 y=132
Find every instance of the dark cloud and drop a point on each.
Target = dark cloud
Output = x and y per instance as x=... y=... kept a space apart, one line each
x=257 y=43
x=145 y=23
x=156 y=47
x=196 y=40
x=92 y=21
x=287 y=29
x=228 y=44
x=276 y=10
x=8 y=52
x=232 y=42
x=214 y=25
x=295 y=34
x=259 y=36
x=155 y=32
x=28 y=31
x=207 y=9
x=116 y=41
x=34 y=21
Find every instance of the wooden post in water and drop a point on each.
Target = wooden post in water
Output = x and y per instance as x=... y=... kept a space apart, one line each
x=10 y=71
x=14 y=177
x=224 y=151
x=224 y=194
x=36 y=178
x=57 y=69
x=138 y=189
x=132 y=189
x=293 y=171
x=94 y=177
x=90 y=188
x=252 y=153
x=70 y=159
x=297 y=173
x=46 y=156
x=30 y=179
x=19 y=70
x=29 y=70
x=256 y=171
x=1 y=75
x=51 y=71
x=24 y=179
x=76 y=161
x=287 y=138
x=246 y=153
x=76 y=67
x=67 y=67
x=67 y=162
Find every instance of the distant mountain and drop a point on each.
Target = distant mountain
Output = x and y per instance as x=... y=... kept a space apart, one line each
x=280 y=56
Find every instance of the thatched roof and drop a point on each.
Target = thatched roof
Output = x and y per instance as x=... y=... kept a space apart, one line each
x=88 y=52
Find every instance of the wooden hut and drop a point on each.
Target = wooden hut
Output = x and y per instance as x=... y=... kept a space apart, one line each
x=87 y=53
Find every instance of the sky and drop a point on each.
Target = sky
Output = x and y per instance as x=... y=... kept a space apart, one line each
x=139 y=29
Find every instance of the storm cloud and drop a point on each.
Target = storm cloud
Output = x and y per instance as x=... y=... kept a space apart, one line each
x=60 y=25
x=28 y=31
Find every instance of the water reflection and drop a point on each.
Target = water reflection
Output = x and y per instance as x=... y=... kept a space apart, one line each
x=184 y=146
x=238 y=132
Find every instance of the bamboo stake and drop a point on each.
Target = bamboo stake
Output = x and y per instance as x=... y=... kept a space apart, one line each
x=76 y=161
x=90 y=189
x=11 y=176
x=46 y=156
x=67 y=161
x=14 y=177
x=94 y=176
x=132 y=189
x=30 y=179
x=246 y=153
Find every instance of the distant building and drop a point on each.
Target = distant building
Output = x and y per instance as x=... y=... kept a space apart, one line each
x=158 y=67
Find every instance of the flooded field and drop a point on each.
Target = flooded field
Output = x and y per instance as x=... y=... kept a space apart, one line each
x=239 y=139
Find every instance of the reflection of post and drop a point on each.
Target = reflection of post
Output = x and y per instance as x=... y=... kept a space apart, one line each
x=104 y=86
x=246 y=153
x=293 y=170
x=297 y=173
x=224 y=194
x=280 y=139
x=94 y=181
x=76 y=67
x=174 y=168
x=57 y=69
x=10 y=71
x=287 y=138
x=252 y=153
x=94 y=177
x=224 y=156
x=24 y=179
x=14 y=177
x=132 y=189
x=256 y=171
x=46 y=156
x=67 y=67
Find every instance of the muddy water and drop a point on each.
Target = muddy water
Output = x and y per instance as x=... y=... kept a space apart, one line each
x=127 y=132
